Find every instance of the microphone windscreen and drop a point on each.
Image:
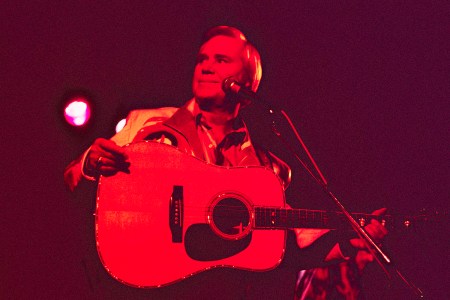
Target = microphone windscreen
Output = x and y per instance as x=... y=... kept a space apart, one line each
x=229 y=85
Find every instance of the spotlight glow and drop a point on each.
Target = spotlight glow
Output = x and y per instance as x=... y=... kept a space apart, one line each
x=77 y=112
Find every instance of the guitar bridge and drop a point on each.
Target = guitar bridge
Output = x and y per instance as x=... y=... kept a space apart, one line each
x=176 y=214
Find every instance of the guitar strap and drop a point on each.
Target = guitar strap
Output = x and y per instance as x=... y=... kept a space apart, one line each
x=269 y=160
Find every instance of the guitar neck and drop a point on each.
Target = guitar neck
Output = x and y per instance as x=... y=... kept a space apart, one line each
x=281 y=218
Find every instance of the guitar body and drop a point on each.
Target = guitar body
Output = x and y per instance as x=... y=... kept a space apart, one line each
x=174 y=215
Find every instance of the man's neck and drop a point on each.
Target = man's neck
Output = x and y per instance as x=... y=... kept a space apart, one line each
x=220 y=119
x=219 y=115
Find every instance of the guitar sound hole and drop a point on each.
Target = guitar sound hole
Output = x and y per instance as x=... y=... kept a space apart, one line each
x=231 y=217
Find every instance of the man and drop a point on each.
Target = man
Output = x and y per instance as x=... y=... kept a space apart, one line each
x=209 y=127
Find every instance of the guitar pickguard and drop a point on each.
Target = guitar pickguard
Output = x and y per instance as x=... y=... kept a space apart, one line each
x=202 y=244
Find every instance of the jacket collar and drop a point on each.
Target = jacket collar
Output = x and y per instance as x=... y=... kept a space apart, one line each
x=183 y=122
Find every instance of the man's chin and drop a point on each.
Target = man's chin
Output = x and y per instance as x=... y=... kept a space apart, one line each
x=208 y=102
x=207 y=97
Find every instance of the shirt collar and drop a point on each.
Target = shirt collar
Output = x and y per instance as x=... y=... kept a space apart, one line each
x=193 y=107
x=239 y=128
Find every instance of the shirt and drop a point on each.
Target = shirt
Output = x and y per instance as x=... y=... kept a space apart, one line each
x=236 y=148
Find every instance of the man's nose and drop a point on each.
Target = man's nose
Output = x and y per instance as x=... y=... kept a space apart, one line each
x=207 y=67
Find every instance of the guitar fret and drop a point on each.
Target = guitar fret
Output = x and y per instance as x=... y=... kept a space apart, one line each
x=259 y=217
x=289 y=217
x=282 y=217
x=302 y=217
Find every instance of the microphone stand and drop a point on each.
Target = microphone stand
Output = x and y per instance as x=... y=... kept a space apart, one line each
x=369 y=242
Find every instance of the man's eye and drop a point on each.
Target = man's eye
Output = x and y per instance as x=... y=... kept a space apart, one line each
x=201 y=59
x=222 y=60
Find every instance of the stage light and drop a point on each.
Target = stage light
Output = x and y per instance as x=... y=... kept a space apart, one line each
x=120 y=125
x=77 y=111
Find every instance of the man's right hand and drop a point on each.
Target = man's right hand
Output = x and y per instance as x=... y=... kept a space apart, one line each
x=105 y=158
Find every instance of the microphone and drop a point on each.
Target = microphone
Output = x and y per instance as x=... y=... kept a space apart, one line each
x=231 y=86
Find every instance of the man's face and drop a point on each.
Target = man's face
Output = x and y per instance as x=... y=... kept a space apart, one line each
x=218 y=58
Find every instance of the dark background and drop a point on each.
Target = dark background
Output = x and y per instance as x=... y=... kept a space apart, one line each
x=367 y=85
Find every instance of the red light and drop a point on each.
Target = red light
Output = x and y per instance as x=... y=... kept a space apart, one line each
x=77 y=111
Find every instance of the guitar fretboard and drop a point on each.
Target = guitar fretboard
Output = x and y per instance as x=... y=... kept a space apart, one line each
x=281 y=218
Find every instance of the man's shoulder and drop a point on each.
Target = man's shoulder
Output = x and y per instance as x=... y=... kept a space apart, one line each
x=150 y=112
x=150 y=115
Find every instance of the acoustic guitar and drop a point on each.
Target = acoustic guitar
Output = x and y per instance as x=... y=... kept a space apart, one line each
x=174 y=215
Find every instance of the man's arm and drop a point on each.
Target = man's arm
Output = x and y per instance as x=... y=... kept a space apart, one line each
x=104 y=157
x=343 y=247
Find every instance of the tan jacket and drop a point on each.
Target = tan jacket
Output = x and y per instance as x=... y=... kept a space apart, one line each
x=178 y=126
